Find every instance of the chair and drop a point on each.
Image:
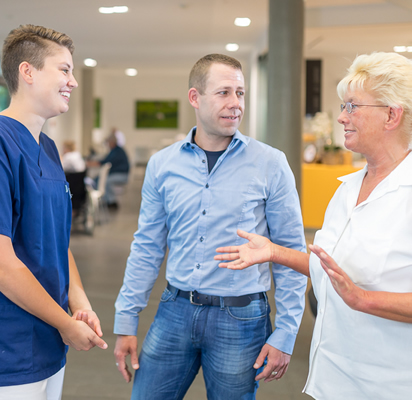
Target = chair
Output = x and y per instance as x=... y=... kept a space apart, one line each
x=83 y=213
x=97 y=195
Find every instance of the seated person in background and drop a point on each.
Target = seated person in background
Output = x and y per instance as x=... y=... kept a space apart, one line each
x=72 y=160
x=119 y=172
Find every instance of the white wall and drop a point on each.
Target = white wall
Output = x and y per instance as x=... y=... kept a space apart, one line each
x=119 y=93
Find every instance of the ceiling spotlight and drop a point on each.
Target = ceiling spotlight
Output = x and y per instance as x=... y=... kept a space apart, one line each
x=89 y=62
x=242 y=21
x=399 y=49
x=131 y=71
x=114 y=10
x=232 y=47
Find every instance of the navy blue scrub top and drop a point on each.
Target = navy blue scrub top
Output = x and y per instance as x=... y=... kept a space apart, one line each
x=35 y=212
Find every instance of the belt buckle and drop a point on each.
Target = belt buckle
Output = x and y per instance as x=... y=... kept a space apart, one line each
x=191 y=298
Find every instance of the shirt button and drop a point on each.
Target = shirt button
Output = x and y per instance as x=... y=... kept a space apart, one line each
x=207 y=186
x=193 y=147
x=204 y=212
x=197 y=266
x=203 y=161
x=202 y=238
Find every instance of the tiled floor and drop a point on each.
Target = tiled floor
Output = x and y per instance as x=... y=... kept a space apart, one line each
x=101 y=260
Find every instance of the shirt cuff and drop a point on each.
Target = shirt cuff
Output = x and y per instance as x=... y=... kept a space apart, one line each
x=282 y=341
x=126 y=324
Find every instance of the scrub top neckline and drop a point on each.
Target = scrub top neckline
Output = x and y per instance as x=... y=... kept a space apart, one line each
x=24 y=139
x=26 y=130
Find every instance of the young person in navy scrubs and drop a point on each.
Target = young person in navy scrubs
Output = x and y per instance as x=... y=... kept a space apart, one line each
x=39 y=280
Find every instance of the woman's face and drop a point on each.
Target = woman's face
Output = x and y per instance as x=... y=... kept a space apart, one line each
x=364 y=127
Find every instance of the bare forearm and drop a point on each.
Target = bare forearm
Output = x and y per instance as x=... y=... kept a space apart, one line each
x=77 y=296
x=393 y=306
x=291 y=258
x=19 y=285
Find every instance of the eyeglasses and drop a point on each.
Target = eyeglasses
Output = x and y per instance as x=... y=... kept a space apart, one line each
x=350 y=107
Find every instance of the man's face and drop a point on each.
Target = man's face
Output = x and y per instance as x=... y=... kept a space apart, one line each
x=220 y=109
x=52 y=85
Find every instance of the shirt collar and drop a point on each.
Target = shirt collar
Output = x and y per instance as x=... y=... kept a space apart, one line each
x=400 y=176
x=187 y=141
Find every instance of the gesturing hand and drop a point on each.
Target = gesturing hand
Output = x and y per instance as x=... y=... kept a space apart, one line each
x=258 y=250
x=351 y=294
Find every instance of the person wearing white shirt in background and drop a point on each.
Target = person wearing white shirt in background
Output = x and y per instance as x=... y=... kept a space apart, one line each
x=72 y=160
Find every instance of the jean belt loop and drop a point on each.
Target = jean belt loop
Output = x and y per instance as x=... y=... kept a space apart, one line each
x=174 y=291
x=222 y=303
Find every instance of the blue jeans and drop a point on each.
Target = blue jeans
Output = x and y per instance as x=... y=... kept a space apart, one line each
x=225 y=341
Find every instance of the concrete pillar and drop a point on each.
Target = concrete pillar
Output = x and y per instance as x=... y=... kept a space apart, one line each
x=286 y=20
x=87 y=89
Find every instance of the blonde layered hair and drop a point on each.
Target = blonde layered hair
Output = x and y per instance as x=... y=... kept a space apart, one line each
x=388 y=77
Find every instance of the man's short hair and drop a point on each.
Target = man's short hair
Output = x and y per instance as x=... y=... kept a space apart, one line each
x=32 y=44
x=199 y=73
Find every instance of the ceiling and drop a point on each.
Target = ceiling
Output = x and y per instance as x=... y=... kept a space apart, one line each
x=173 y=34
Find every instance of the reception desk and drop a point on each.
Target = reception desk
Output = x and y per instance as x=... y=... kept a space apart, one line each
x=319 y=183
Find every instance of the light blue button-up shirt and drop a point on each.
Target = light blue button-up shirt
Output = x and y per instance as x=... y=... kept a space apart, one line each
x=192 y=212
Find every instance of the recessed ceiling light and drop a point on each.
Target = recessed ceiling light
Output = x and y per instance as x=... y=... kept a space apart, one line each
x=114 y=10
x=399 y=49
x=232 y=47
x=242 y=21
x=131 y=71
x=89 y=62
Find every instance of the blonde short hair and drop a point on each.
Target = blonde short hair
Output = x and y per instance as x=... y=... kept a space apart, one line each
x=388 y=76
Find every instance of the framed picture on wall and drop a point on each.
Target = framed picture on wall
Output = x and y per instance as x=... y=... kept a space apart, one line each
x=158 y=114
x=97 y=113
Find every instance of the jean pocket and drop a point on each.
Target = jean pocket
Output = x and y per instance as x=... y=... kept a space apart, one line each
x=255 y=310
x=167 y=295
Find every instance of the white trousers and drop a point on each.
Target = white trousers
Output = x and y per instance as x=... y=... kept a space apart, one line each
x=48 y=389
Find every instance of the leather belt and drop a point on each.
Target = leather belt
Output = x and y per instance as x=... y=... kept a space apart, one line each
x=200 y=299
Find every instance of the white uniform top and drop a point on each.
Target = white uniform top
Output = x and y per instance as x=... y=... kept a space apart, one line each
x=356 y=355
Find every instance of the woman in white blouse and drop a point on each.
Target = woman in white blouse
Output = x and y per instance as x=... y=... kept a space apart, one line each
x=361 y=261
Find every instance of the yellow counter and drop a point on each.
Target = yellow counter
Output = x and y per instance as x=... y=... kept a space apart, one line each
x=319 y=183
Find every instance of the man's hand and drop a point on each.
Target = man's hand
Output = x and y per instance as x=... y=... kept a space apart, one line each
x=90 y=318
x=126 y=345
x=277 y=363
x=258 y=250
x=80 y=336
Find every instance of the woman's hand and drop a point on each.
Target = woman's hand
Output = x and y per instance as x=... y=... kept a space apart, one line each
x=258 y=250
x=90 y=318
x=351 y=294
x=77 y=334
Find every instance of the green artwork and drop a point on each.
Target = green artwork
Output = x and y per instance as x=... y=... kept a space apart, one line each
x=157 y=114
x=97 y=113
x=4 y=98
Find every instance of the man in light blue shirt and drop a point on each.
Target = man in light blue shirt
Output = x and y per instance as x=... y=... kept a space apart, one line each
x=195 y=196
